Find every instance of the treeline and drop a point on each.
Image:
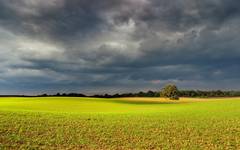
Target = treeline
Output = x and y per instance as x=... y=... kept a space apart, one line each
x=181 y=93
x=139 y=94
x=216 y=93
x=64 y=95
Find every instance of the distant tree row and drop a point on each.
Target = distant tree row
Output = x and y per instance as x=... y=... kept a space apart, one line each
x=170 y=91
x=216 y=93
x=64 y=95
x=139 y=94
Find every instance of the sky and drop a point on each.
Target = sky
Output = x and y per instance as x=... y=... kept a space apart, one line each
x=115 y=46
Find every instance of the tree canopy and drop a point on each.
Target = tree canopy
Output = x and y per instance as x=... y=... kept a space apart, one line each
x=170 y=91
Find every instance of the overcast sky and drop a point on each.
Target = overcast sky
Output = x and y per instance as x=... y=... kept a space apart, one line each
x=95 y=46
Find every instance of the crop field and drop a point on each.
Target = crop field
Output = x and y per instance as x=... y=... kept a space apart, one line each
x=124 y=123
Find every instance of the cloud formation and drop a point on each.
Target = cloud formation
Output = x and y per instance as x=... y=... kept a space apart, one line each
x=118 y=45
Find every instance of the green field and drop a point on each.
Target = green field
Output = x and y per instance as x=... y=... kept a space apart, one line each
x=127 y=123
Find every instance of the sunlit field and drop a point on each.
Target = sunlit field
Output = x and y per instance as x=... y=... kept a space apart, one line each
x=126 y=123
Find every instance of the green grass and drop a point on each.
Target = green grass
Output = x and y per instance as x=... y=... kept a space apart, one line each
x=129 y=123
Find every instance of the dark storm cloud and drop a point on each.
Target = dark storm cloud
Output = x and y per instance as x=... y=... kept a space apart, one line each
x=111 y=45
x=57 y=18
x=73 y=17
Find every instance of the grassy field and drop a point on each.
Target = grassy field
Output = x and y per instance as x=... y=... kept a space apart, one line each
x=127 y=123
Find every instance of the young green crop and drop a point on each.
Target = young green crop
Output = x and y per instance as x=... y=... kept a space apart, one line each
x=128 y=123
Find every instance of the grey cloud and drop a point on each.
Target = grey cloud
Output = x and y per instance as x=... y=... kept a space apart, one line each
x=112 y=45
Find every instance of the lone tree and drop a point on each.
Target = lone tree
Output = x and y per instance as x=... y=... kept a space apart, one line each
x=170 y=91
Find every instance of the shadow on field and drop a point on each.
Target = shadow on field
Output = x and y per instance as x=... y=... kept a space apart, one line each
x=138 y=101
x=135 y=102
